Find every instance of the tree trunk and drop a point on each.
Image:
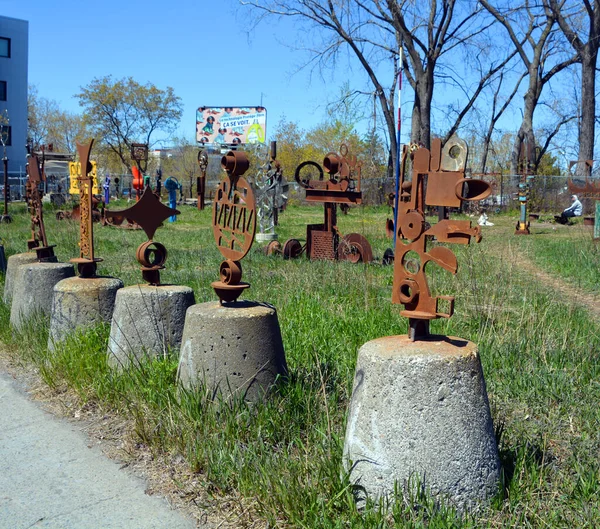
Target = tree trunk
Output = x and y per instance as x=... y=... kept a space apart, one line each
x=588 y=112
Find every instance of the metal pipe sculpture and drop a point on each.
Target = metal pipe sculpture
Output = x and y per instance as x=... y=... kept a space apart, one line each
x=4 y=131
x=271 y=189
x=150 y=213
x=86 y=262
x=324 y=241
x=526 y=157
x=438 y=180
x=106 y=187
x=201 y=180
x=35 y=180
x=234 y=225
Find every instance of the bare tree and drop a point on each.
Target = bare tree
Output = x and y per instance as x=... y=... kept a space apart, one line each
x=375 y=30
x=532 y=31
x=580 y=22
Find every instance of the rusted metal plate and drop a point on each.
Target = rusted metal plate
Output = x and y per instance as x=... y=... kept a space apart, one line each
x=234 y=224
x=440 y=189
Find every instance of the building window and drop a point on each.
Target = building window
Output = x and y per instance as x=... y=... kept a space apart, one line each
x=2 y=90
x=6 y=133
x=4 y=47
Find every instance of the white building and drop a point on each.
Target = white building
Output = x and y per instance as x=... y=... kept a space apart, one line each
x=14 y=42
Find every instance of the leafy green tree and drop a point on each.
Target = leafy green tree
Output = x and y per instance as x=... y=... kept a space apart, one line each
x=122 y=112
x=49 y=124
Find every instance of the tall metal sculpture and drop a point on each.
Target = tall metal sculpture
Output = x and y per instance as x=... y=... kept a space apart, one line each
x=86 y=262
x=234 y=225
x=324 y=241
x=150 y=213
x=4 y=133
x=35 y=180
x=437 y=180
x=201 y=180
x=271 y=193
x=525 y=167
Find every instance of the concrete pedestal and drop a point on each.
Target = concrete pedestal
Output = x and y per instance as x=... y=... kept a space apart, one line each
x=420 y=415
x=13 y=262
x=33 y=289
x=264 y=237
x=234 y=349
x=147 y=321
x=80 y=303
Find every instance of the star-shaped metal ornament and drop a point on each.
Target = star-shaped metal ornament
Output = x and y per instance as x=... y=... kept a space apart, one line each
x=149 y=212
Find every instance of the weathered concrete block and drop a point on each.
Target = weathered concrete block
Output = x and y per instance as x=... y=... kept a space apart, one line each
x=13 y=262
x=420 y=412
x=147 y=321
x=80 y=303
x=34 y=287
x=235 y=349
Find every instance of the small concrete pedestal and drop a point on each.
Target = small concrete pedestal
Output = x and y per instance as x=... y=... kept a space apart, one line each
x=33 y=289
x=13 y=262
x=80 y=303
x=420 y=415
x=264 y=237
x=234 y=349
x=147 y=321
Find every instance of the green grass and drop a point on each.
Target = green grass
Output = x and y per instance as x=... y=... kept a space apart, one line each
x=283 y=458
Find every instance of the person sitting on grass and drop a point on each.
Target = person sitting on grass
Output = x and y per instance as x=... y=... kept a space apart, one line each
x=574 y=210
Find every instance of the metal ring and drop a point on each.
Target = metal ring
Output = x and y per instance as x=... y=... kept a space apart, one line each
x=230 y=272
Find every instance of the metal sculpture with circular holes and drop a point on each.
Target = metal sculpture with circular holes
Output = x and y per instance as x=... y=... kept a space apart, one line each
x=438 y=179
x=234 y=225
x=150 y=213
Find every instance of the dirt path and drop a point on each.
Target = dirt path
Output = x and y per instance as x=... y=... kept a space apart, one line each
x=568 y=292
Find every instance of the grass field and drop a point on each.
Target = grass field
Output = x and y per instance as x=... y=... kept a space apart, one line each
x=281 y=461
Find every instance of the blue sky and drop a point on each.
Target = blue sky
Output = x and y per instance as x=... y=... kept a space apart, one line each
x=199 y=47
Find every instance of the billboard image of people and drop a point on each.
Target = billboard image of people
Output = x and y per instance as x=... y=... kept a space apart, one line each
x=231 y=125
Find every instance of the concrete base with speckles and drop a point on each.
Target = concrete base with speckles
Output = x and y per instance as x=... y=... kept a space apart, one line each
x=79 y=303
x=147 y=321
x=33 y=289
x=13 y=262
x=420 y=415
x=234 y=349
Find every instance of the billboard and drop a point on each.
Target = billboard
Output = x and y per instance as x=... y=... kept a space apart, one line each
x=231 y=125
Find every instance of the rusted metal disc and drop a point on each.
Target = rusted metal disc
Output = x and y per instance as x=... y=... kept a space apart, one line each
x=411 y=225
x=230 y=272
x=292 y=249
x=274 y=247
x=355 y=248
x=234 y=218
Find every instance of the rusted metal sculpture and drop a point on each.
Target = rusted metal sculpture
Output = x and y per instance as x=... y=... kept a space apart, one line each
x=86 y=262
x=35 y=179
x=201 y=180
x=525 y=166
x=150 y=213
x=234 y=225
x=438 y=179
x=324 y=241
